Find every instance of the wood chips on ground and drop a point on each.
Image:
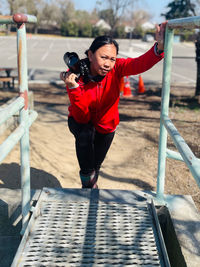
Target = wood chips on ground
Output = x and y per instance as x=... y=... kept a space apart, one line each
x=131 y=162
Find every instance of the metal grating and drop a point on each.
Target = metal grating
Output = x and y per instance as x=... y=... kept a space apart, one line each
x=91 y=233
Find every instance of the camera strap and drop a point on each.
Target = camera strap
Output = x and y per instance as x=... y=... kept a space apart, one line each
x=97 y=78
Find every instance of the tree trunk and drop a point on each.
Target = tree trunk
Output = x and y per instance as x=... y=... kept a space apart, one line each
x=197 y=44
x=35 y=29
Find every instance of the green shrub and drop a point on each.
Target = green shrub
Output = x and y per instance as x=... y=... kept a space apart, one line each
x=70 y=29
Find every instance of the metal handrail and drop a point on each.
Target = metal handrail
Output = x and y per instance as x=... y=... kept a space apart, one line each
x=26 y=118
x=18 y=18
x=11 y=109
x=185 y=154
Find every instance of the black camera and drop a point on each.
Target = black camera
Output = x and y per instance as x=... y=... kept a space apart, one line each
x=76 y=65
x=72 y=61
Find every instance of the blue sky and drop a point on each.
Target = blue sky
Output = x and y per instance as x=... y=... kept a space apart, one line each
x=154 y=7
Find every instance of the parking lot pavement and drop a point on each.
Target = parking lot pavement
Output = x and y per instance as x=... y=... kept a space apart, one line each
x=45 y=57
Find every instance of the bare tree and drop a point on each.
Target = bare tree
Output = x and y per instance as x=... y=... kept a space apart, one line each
x=16 y=6
x=50 y=13
x=67 y=10
x=139 y=17
x=116 y=9
x=34 y=7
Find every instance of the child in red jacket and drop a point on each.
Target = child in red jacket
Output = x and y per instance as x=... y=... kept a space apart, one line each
x=94 y=97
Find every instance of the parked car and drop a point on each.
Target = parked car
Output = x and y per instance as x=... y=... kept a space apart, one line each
x=148 y=37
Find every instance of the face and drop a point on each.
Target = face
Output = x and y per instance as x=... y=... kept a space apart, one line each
x=103 y=59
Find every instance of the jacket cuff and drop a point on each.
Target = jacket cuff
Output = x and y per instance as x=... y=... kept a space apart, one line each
x=74 y=87
x=156 y=51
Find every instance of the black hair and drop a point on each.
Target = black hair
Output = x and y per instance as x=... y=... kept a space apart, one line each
x=101 y=41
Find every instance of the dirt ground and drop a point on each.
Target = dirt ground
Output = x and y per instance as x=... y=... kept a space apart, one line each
x=131 y=162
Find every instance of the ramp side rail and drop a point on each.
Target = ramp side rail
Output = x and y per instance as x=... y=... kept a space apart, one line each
x=26 y=118
x=166 y=126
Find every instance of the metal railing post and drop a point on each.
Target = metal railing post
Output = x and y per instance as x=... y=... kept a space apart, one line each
x=24 y=119
x=169 y=35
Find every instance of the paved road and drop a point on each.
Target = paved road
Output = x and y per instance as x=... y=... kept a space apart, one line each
x=45 y=57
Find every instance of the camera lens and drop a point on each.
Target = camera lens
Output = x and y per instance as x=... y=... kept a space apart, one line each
x=72 y=61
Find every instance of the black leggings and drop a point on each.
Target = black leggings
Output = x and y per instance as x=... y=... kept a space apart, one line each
x=91 y=146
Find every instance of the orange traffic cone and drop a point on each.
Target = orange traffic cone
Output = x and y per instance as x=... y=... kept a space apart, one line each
x=127 y=87
x=121 y=86
x=141 y=88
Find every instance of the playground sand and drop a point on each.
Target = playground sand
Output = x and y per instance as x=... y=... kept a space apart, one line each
x=131 y=162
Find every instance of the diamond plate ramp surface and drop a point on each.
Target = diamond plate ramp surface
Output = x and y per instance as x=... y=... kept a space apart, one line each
x=75 y=227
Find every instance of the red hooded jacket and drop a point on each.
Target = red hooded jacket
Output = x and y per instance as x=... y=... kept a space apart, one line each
x=98 y=101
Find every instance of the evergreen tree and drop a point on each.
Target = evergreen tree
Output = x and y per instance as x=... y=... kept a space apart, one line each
x=180 y=9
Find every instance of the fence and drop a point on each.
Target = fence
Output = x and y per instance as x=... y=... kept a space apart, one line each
x=26 y=118
x=166 y=126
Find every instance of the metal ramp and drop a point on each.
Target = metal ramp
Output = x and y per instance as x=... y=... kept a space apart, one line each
x=83 y=227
